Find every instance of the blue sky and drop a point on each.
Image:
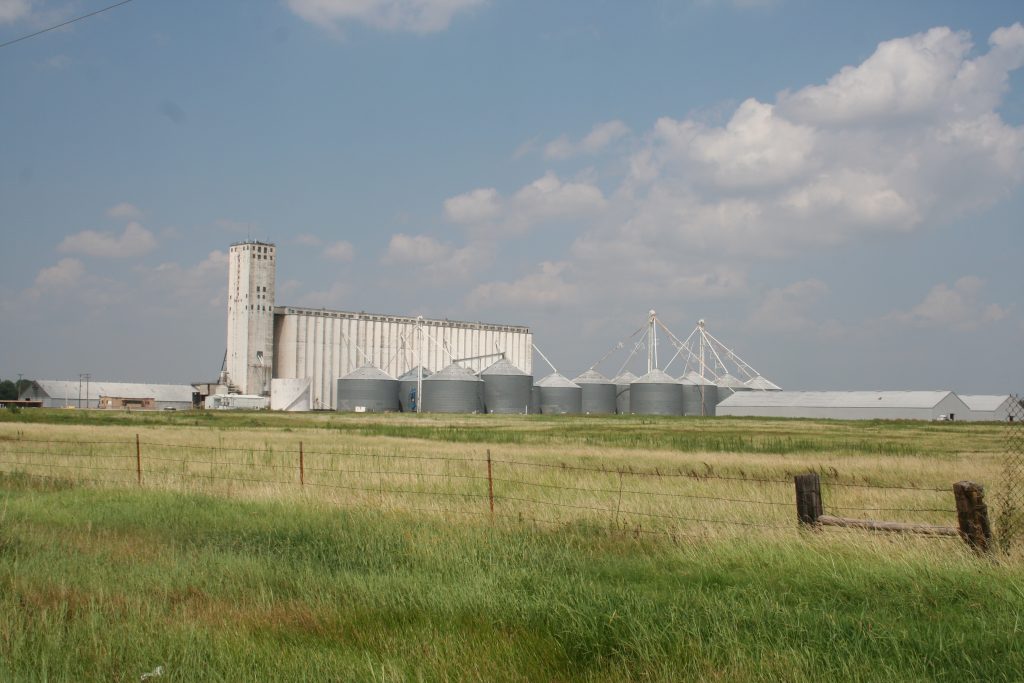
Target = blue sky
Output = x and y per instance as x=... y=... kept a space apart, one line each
x=835 y=187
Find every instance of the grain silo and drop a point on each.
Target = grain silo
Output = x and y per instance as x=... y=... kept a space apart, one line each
x=597 y=392
x=367 y=390
x=452 y=390
x=729 y=385
x=559 y=396
x=407 y=388
x=706 y=395
x=507 y=389
x=622 y=383
x=535 y=400
x=760 y=383
x=656 y=393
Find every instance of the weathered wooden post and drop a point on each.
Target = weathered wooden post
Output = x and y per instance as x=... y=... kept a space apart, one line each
x=490 y=482
x=972 y=513
x=808 y=498
x=302 y=467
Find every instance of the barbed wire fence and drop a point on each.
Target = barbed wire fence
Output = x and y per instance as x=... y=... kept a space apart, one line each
x=1010 y=496
x=680 y=503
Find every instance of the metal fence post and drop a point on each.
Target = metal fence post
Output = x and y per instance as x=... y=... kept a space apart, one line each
x=138 y=459
x=490 y=482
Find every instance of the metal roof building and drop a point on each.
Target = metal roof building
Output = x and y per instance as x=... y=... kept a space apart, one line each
x=847 y=405
x=984 y=408
x=73 y=393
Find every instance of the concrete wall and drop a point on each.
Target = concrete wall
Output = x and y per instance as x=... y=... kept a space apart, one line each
x=325 y=345
x=250 y=336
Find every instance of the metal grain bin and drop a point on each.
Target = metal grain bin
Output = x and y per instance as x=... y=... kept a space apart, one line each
x=559 y=396
x=535 y=400
x=598 y=393
x=507 y=389
x=729 y=385
x=407 y=389
x=622 y=383
x=656 y=393
x=707 y=394
x=760 y=383
x=368 y=389
x=452 y=390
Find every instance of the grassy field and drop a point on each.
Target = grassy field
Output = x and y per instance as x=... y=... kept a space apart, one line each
x=620 y=549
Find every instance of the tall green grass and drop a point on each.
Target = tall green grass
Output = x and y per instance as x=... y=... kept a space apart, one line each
x=107 y=585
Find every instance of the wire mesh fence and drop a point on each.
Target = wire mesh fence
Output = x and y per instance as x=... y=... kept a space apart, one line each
x=675 y=503
x=1010 y=497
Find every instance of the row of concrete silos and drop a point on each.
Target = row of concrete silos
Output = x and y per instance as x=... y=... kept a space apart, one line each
x=504 y=388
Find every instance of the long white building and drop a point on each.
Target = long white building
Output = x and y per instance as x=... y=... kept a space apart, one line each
x=847 y=405
x=278 y=349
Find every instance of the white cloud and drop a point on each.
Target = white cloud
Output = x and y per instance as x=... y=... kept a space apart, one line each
x=477 y=206
x=415 y=249
x=599 y=138
x=134 y=241
x=416 y=16
x=959 y=307
x=176 y=287
x=308 y=240
x=66 y=274
x=546 y=198
x=14 y=10
x=340 y=251
x=125 y=211
x=545 y=288
x=787 y=308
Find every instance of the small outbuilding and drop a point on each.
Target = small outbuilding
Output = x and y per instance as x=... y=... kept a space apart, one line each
x=986 y=408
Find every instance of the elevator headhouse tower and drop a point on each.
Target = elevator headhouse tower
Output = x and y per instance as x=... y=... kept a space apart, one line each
x=250 y=348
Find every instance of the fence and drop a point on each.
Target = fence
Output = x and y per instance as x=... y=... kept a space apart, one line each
x=1010 y=523
x=656 y=501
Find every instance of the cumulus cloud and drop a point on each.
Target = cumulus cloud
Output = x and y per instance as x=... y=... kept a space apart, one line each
x=125 y=211
x=308 y=240
x=340 y=251
x=134 y=241
x=959 y=306
x=599 y=138
x=416 y=16
x=14 y=10
x=546 y=288
x=546 y=198
x=415 y=249
x=787 y=308
x=181 y=287
x=65 y=274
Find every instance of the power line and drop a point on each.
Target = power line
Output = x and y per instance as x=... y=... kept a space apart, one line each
x=69 y=21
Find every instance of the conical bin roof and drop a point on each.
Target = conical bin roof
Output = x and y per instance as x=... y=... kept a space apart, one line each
x=454 y=373
x=502 y=367
x=592 y=377
x=656 y=376
x=557 y=380
x=368 y=372
x=412 y=374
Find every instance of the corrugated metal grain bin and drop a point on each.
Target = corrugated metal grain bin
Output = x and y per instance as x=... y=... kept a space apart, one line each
x=453 y=390
x=507 y=389
x=598 y=393
x=656 y=393
x=407 y=389
x=535 y=400
x=559 y=396
x=729 y=385
x=368 y=389
x=622 y=383
x=702 y=397
x=760 y=383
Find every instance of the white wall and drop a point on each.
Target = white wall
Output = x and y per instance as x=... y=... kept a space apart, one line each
x=251 y=276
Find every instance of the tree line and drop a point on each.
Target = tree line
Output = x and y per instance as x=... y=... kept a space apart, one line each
x=10 y=389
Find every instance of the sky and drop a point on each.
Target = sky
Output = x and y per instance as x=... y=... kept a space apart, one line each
x=836 y=188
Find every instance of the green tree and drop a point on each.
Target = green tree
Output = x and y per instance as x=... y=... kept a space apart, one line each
x=8 y=392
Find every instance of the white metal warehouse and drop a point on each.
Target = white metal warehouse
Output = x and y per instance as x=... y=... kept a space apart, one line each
x=986 y=408
x=82 y=394
x=847 y=405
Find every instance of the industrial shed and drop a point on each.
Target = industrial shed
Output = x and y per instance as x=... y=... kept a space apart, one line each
x=847 y=405
x=984 y=408
x=76 y=394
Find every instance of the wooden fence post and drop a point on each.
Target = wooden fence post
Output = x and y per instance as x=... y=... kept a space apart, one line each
x=972 y=513
x=808 y=498
x=302 y=467
x=138 y=460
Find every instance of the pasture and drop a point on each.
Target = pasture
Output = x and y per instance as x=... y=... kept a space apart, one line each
x=618 y=548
